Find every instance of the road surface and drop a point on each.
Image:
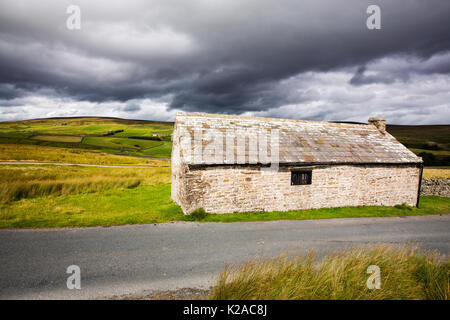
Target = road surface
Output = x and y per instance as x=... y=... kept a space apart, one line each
x=130 y=259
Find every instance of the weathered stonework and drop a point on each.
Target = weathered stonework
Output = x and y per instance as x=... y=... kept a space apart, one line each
x=435 y=187
x=351 y=164
x=247 y=189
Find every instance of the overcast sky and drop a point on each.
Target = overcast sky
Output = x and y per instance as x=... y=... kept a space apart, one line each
x=314 y=60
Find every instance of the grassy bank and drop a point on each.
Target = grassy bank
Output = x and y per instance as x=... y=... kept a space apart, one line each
x=405 y=274
x=34 y=196
x=144 y=204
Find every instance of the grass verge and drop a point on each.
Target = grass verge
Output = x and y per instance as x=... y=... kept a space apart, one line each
x=339 y=275
x=144 y=204
x=428 y=205
x=152 y=204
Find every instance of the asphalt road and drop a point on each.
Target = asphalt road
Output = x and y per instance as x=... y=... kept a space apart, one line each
x=130 y=259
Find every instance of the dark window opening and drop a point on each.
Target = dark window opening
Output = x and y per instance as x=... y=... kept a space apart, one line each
x=300 y=177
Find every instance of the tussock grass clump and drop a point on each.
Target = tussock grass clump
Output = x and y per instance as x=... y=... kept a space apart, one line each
x=197 y=215
x=403 y=206
x=30 y=181
x=340 y=275
x=13 y=191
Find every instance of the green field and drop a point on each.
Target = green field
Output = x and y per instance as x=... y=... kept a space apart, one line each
x=125 y=145
x=137 y=138
x=431 y=142
x=70 y=139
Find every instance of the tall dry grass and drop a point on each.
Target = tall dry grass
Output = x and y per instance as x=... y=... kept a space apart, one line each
x=14 y=173
x=21 y=182
x=436 y=173
x=341 y=275
x=23 y=152
x=17 y=190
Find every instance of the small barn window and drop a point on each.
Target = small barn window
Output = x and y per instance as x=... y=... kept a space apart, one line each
x=300 y=177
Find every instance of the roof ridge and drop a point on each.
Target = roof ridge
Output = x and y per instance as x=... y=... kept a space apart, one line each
x=228 y=116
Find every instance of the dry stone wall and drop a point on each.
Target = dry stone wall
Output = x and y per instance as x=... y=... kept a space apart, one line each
x=435 y=187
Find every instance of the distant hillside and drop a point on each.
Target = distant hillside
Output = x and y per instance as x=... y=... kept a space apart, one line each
x=140 y=138
x=431 y=142
x=144 y=138
x=88 y=119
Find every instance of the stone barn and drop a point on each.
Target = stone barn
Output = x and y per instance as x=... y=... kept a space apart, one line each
x=228 y=164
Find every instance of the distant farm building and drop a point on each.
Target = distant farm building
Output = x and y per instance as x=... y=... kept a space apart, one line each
x=319 y=164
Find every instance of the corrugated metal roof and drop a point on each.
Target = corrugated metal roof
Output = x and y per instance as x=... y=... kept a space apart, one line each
x=300 y=142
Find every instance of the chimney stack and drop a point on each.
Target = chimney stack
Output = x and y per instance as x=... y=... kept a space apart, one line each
x=378 y=122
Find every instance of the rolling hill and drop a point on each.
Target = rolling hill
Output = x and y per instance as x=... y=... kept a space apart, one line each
x=151 y=139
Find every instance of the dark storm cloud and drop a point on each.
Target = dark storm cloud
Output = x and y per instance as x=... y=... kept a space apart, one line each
x=131 y=108
x=9 y=91
x=360 y=79
x=400 y=69
x=214 y=56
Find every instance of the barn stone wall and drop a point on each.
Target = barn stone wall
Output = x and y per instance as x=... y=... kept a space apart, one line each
x=176 y=172
x=227 y=189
